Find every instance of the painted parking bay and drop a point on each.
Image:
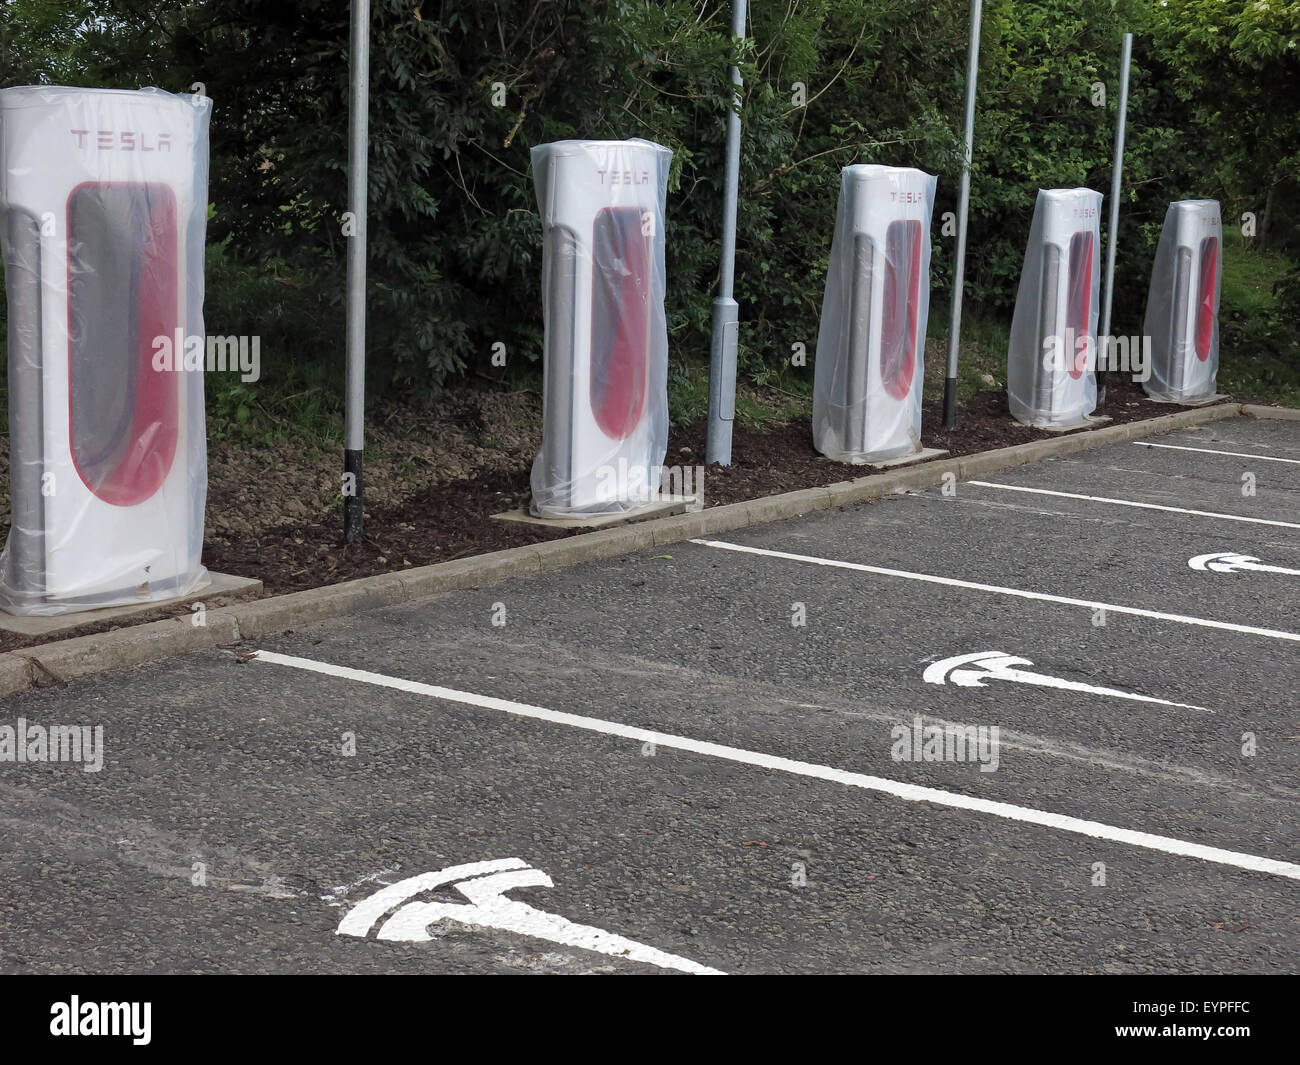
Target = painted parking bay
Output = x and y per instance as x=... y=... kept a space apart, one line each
x=733 y=864
x=688 y=855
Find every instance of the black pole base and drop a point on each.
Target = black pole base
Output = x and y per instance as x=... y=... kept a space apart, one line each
x=949 y=402
x=353 y=497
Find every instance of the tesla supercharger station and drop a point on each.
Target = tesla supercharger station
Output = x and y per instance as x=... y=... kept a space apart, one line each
x=1182 y=316
x=605 y=367
x=103 y=201
x=871 y=342
x=1052 y=354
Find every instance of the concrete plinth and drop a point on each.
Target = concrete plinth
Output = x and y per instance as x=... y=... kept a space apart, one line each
x=665 y=506
x=222 y=585
x=1089 y=422
x=1216 y=398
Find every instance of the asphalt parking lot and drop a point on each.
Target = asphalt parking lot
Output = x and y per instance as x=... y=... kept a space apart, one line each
x=772 y=752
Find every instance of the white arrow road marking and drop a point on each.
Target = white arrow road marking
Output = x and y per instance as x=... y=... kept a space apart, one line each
x=909 y=792
x=1135 y=503
x=997 y=665
x=997 y=589
x=1211 y=451
x=1228 y=562
x=484 y=884
x=364 y=914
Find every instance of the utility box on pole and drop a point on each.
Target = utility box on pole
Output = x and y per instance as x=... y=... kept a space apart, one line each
x=605 y=370
x=1053 y=349
x=1182 y=317
x=103 y=209
x=871 y=342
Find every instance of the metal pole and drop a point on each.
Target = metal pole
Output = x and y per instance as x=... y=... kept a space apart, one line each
x=1116 y=178
x=358 y=144
x=963 y=204
x=722 y=349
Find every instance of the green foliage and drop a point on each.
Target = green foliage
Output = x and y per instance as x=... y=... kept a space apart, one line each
x=1233 y=66
x=454 y=233
x=300 y=386
x=688 y=395
x=40 y=41
x=1257 y=324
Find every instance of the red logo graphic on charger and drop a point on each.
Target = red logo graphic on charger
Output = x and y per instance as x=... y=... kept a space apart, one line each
x=1080 y=299
x=1205 y=309
x=620 y=320
x=901 y=296
x=123 y=420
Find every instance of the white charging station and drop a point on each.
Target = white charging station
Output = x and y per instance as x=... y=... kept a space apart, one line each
x=1053 y=350
x=103 y=201
x=1182 y=316
x=871 y=341
x=605 y=370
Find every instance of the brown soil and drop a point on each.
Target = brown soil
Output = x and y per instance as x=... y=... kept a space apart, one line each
x=275 y=514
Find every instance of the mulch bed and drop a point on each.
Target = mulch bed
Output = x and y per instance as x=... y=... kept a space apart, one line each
x=452 y=520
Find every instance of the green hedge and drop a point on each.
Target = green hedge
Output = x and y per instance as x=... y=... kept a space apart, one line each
x=455 y=239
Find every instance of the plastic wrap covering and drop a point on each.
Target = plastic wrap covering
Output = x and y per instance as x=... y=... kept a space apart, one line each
x=1053 y=350
x=1182 y=316
x=605 y=371
x=871 y=344
x=103 y=202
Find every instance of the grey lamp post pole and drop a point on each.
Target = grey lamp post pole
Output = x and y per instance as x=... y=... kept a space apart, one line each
x=358 y=144
x=963 y=206
x=722 y=349
x=1116 y=179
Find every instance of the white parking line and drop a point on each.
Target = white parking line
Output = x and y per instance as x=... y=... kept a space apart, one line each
x=997 y=589
x=899 y=790
x=1134 y=503
x=1211 y=451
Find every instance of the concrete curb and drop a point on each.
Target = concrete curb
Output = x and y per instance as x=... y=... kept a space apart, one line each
x=1256 y=410
x=66 y=660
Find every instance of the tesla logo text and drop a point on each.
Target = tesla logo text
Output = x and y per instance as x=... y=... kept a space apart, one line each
x=123 y=140
x=624 y=177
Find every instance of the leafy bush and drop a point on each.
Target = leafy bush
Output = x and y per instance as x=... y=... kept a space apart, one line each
x=454 y=233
